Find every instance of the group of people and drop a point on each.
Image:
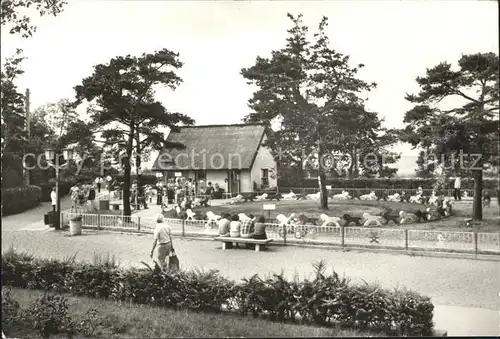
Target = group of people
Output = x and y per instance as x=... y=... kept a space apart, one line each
x=232 y=226
x=82 y=195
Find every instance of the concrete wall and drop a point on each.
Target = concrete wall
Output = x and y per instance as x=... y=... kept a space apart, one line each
x=264 y=159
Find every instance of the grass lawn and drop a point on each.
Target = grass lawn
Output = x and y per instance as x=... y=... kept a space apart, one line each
x=138 y=321
x=355 y=208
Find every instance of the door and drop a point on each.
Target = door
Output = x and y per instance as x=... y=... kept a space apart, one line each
x=234 y=181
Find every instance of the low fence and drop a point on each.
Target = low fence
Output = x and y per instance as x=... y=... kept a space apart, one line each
x=390 y=238
x=378 y=191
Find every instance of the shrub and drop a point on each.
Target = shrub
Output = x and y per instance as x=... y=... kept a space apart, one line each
x=49 y=315
x=327 y=300
x=78 y=217
x=89 y=322
x=10 y=310
x=20 y=199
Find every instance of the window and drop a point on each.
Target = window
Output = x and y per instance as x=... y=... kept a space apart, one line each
x=264 y=177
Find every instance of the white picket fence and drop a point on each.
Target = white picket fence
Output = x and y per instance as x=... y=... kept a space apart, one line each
x=394 y=238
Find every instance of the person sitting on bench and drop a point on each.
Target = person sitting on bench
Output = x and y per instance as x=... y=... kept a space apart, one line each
x=224 y=225
x=260 y=229
x=235 y=226
x=247 y=229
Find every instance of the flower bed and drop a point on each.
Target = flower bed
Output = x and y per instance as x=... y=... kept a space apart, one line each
x=327 y=300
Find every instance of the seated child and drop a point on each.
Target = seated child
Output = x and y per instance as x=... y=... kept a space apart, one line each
x=235 y=227
x=247 y=227
x=260 y=229
x=224 y=225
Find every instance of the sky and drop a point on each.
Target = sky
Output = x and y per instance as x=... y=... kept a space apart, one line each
x=396 y=40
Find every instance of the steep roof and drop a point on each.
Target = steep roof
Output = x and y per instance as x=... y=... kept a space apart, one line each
x=216 y=147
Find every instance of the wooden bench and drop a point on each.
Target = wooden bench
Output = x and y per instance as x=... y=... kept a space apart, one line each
x=116 y=205
x=257 y=242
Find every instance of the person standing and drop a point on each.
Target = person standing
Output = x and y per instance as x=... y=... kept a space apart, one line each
x=109 y=182
x=162 y=238
x=91 y=198
x=456 y=189
x=98 y=182
x=74 y=194
x=53 y=199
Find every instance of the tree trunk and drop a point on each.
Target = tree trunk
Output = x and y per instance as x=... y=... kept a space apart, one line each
x=478 y=194
x=322 y=179
x=126 y=188
x=126 y=175
x=138 y=163
x=352 y=166
x=498 y=195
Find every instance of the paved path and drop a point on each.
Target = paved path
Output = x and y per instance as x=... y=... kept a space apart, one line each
x=473 y=285
x=465 y=292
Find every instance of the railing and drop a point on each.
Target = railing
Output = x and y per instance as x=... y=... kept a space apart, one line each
x=378 y=191
x=391 y=238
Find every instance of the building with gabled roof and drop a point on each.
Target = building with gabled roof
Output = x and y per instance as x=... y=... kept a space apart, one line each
x=232 y=156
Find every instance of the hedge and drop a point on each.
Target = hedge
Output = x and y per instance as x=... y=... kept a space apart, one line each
x=325 y=300
x=467 y=183
x=20 y=199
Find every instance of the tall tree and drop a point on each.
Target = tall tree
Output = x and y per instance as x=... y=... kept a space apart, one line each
x=58 y=116
x=425 y=166
x=305 y=87
x=14 y=14
x=12 y=106
x=470 y=128
x=121 y=93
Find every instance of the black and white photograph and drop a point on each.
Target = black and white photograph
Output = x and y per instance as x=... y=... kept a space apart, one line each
x=234 y=169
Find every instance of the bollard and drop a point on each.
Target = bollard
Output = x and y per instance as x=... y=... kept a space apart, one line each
x=98 y=222
x=342 y=236
x=406 y=239
x=138 y=224
x=183 y=227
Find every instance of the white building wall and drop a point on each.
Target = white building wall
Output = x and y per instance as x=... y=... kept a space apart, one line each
x=219 y=177
x=246 y=182
x=264 y=159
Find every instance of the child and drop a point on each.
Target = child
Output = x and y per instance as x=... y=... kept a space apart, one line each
x=260 y=229
x=235 y=226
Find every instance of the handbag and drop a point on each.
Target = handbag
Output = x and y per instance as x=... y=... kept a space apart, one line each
x=173 y=261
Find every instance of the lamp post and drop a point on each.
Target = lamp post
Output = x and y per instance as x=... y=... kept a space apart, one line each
x=52 y=156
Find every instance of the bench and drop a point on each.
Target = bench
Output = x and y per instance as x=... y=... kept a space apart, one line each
x=272 y=196
x=116 y=205
x=257 y=242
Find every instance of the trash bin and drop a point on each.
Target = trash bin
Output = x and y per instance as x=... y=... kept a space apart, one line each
x=103 y=205
x=75 y=227
x=49 y=218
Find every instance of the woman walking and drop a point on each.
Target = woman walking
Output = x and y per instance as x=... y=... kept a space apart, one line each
x=163 y=240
